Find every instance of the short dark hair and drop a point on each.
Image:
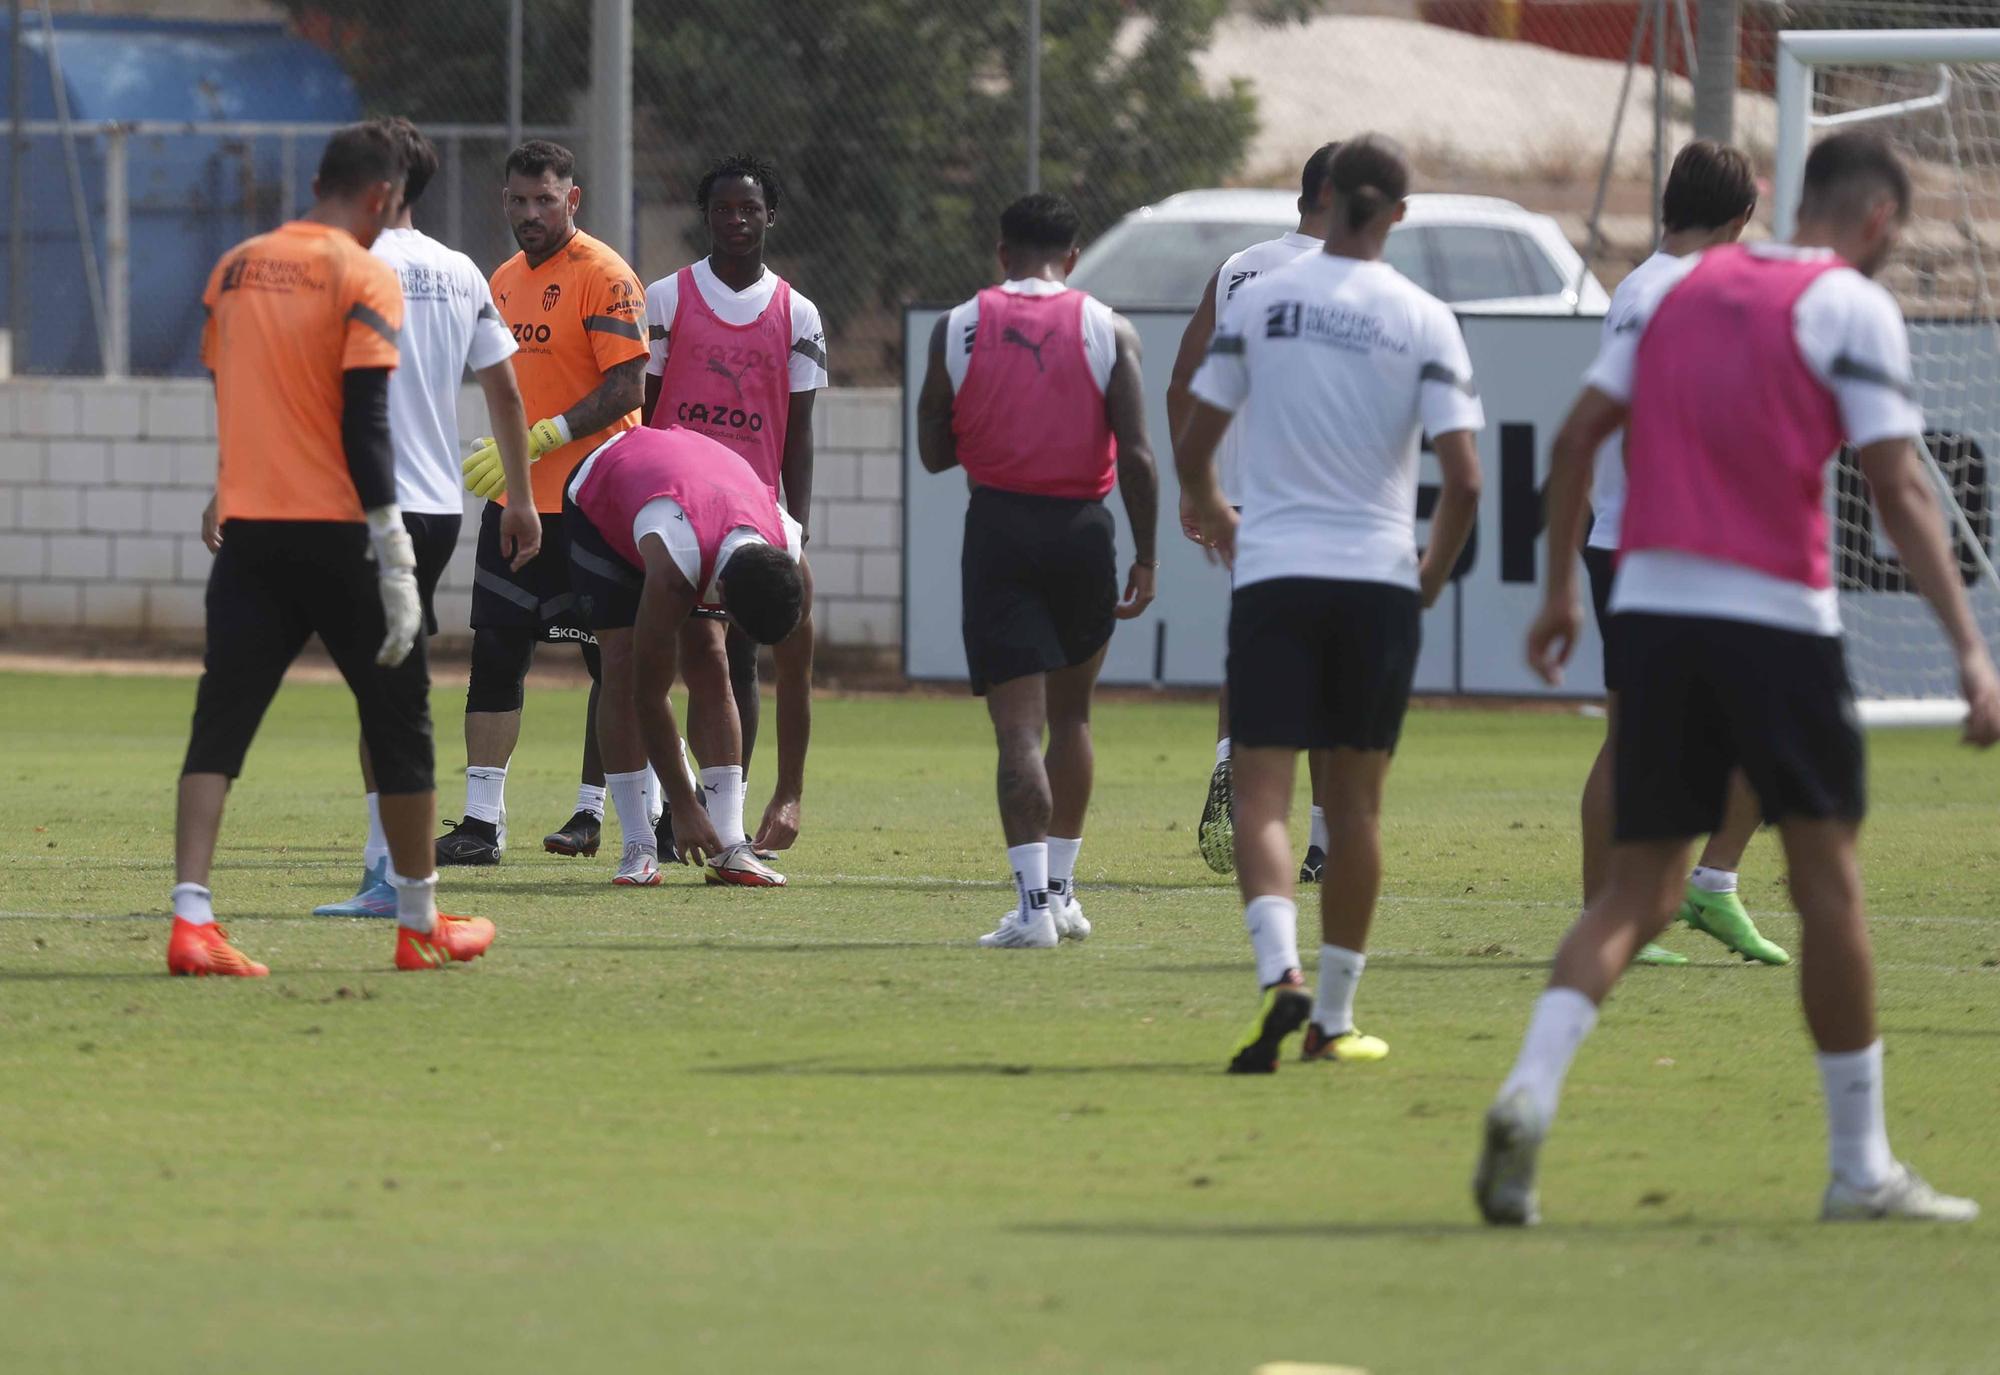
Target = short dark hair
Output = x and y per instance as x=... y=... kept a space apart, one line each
x=357 y=157
x=1846 y=171
x=749 y=167
x=1040 y=220
x=1711 y=185
x=1312 y=180
x=538 y=155
x=763 y=592
x=420 y=156
x=1369 y=174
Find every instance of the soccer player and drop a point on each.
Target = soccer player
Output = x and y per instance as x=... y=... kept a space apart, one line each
x=738 y=355
x=574 y=308
x=665 y=521
x=1215 y=834
x=1742 y=373
x=1034 y=389
x=1710 y=195
x=449 y=325
x=1334 y=368
x=301 y=339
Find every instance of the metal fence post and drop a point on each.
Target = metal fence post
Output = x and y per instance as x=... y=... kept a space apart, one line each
x=1715 y=73
x=288 y=176
x=610 y=125
x=117 y=256
x=17 y=200
x=1034 y=84
x=1660 y=32
x=515 y=26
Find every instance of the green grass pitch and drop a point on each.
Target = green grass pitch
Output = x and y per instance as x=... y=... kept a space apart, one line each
x=685 y=1129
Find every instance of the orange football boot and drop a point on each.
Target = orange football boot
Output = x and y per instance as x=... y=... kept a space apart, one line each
x=458 y=939
x=205 y=949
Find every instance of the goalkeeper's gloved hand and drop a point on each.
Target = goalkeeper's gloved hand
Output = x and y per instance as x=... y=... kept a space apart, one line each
x=396 y=563
x=484 y=474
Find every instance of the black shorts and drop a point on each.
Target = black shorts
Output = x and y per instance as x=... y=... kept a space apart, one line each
x=435 y=537
x=1707 y=696
x=536 y=598
x=1039 y=577
x=606 y=584
x=274 y=585
x=1601 y=566
x=1321 y=663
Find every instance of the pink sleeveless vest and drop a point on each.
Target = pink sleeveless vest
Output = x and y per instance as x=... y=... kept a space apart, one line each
x=713 y=486
x=1731 y=431
x=731 y=382
x=1029 y=417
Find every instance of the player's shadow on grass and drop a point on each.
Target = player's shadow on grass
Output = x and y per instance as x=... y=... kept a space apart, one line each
x=1389 y=965
x=1333 y=1230
x=674 y=943
x=970 y=1068
x=1951 y=1031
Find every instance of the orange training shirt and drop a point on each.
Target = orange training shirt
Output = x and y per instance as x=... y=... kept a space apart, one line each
x=289 y=313
x=577 y=315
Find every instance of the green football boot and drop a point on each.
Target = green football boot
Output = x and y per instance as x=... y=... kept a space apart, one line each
x=1721 y=915
x=1650 y=953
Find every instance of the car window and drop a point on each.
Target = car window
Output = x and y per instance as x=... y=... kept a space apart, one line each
x=1162 y=262
x=1544 y=277
x=1408 y=251
x=1477 y=263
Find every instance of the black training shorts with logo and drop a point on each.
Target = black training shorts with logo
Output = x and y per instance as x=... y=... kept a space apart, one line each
x=1704 y=696
x=1039 y=577
x=538 y=596
x=274 y=585
x=435 y=538
x=1321 y=663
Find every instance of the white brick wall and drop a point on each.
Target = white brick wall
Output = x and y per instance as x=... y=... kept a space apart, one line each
x=102 y=486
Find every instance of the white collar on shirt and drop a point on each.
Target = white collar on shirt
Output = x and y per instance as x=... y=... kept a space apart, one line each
x=1033 y=286
x=1291 y=238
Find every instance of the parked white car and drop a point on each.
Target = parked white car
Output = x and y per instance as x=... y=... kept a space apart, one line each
x=1479 y=254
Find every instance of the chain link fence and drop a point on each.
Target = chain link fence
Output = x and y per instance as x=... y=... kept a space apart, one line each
x=901 y=127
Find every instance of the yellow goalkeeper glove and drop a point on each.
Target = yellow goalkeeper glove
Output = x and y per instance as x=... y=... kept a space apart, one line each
x=485 y=476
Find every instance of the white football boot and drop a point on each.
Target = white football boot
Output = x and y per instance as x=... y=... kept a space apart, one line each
x=1904 y=1197
x=739 y=867
x=1036 y=932
x=639 y=867
x=1505 y=1184
x=1071 y=924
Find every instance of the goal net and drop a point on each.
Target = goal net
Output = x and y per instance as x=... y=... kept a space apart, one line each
x=1936 y=95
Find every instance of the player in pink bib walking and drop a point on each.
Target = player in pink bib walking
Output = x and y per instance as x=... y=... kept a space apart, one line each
x=1034 y=389
x=738 y=355
x=665 y=521
x=1742 y=371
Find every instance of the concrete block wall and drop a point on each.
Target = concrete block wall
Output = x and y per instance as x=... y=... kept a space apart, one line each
x=102 y=486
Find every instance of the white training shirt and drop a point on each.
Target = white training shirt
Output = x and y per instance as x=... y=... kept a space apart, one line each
x=1607 y=483
x=449 y=325
x=1237 y=272
x=1850 y=332
x=808 y=357
x=1100 y=331
x=1335 y=368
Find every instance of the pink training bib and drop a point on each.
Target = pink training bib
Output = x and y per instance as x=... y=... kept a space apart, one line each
x=714 y=487
x=1029 y=416
x=731 y=382
x=1730 y=431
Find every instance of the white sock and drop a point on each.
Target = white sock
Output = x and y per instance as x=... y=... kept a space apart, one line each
x=377 y=848
x=194 y=903
x=1713 y=880
x=486 y=793
x=1222 y=750
x=1339 y=974
x=1317 y=836
x=1857 y=1140
x=591 y=799
x=1062 y=864
x=655 y=795
x=722 y=791
x=1563 y=1017
x=1030 y=864
x=628 y=797
x=416 y=902
x=1273 y=924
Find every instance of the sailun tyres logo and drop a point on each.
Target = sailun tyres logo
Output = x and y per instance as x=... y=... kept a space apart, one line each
x=550 y=295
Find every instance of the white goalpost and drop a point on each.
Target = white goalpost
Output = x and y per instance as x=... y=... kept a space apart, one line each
x=1936 y=94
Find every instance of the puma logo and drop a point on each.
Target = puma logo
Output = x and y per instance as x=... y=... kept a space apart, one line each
x=1010 y=335
x=735 y=378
